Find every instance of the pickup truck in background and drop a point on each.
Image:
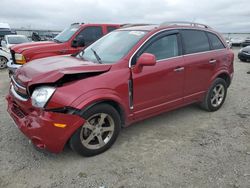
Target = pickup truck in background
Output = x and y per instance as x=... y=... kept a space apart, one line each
x=70 y=41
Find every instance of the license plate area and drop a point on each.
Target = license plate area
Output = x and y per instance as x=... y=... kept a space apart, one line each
x=17 y=111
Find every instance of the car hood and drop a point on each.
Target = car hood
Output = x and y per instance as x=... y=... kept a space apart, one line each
x=52 y=69
x=246 y=49
x=19 y=48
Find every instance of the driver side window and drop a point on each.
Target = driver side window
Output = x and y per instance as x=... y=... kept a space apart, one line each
x=163 y=48
x=90 y=34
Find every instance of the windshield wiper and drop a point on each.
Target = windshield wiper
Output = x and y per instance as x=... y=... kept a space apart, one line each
x=80 y=54
x=96 y=56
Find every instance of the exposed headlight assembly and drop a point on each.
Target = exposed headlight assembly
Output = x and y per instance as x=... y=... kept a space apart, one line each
x=20 y=59
x=41 y=96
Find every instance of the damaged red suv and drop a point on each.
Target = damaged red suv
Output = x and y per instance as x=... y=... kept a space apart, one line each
x=126 y=76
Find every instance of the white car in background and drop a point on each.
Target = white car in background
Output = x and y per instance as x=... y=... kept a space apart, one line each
x=237 y=41
x=6 y=43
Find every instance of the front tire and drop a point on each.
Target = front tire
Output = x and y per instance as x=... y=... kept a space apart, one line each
x=3 y=62
x=99 y=132
x=215 y=96
x=243 y=60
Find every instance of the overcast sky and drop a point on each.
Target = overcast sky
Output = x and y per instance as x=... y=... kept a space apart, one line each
x=223 y=15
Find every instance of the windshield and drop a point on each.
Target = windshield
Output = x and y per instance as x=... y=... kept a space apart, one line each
x=17 y=39
x=112 y=47
x=67 y=33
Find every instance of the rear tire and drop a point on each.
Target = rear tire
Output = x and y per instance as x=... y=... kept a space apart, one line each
x=99 y=132
x=215 y=96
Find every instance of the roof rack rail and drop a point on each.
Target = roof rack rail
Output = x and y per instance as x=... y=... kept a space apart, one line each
x=183 y=23
x=133 y=25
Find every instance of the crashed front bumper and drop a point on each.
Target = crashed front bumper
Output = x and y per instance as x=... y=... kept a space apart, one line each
x=39 y=126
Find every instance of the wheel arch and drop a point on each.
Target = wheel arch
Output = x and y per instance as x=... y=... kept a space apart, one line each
x=5 y=57
x=110 y=97
x=223 y=75
x=116 y=105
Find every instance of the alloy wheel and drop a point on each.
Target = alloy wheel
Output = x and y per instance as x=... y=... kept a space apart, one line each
x=218 y=95
x=3 y=62
x=97 y=131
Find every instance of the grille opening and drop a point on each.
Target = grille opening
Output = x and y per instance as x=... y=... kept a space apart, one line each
x=19 y=89
x=18 y=112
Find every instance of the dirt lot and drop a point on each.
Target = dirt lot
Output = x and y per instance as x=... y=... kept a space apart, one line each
x=184 y=148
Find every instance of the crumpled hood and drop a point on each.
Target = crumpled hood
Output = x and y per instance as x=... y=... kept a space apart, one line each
x=51 y=69
x=19 y=48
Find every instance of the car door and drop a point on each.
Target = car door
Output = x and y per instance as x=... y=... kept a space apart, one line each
x=199 y=63
x=159 y=87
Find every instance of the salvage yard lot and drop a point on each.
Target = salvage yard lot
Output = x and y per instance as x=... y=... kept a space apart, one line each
x=183 y=148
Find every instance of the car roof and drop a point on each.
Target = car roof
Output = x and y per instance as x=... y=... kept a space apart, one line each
x=95 y=24
x=167 y=25
x=140 y=27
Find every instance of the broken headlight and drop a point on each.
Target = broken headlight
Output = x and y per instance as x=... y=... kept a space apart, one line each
x=41 y=96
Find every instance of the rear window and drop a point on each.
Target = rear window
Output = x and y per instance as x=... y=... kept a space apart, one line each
x=215 y=41
x=111 y=28
x=195 y=41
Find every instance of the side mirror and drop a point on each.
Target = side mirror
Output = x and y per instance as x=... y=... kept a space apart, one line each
x=3 y=44
x=78 y=43
x=146 y=59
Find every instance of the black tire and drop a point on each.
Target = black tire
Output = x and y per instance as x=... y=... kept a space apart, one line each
x=207 y=103
x=3 y=62
x=243 y=60
x=75 y=141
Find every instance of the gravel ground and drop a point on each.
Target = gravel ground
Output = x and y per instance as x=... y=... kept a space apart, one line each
x=183 y=148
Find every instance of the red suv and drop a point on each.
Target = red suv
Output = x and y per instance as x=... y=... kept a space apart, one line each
x=71 y=40
x=126 y=76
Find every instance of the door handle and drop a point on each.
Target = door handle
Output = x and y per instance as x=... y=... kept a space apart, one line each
x=179 y=69
x=212 y=61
